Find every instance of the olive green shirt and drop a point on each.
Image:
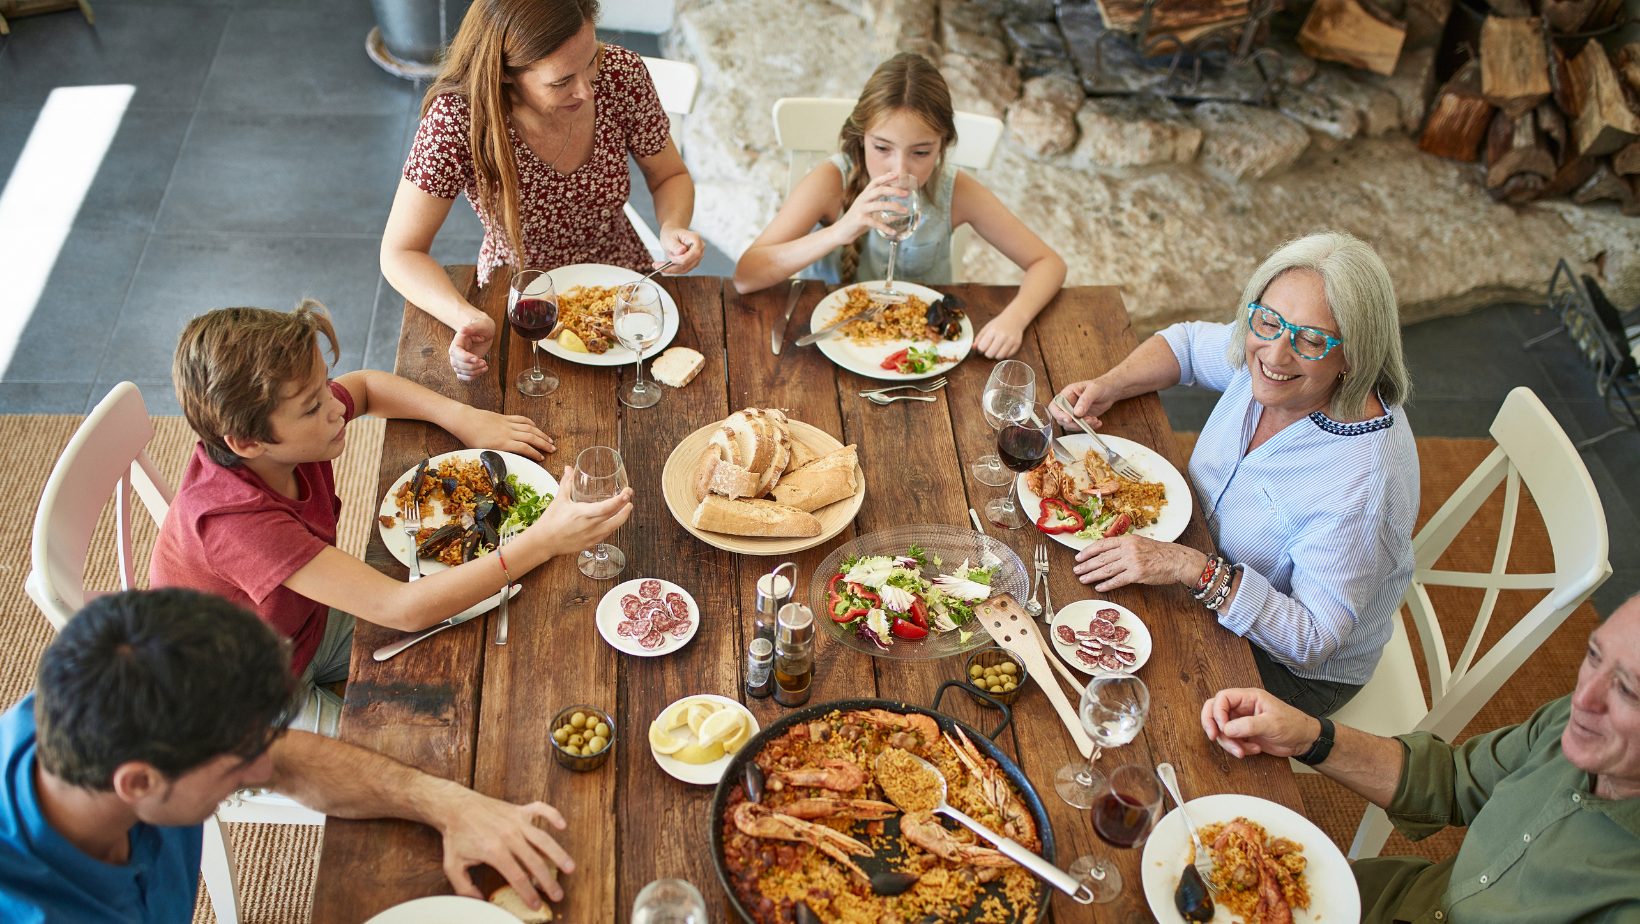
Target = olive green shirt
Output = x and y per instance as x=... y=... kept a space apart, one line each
x=1541 y=846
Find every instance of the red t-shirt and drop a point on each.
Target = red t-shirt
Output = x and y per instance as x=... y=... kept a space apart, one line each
x=563 y=218
x=229 y=534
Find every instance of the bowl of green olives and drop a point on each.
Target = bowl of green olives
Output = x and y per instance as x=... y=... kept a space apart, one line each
x=997 y=672
x=582 y=737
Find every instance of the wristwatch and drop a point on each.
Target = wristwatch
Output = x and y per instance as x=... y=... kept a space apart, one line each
x=1323 y=746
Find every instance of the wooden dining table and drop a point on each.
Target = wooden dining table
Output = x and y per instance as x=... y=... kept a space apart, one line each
x=461 y=707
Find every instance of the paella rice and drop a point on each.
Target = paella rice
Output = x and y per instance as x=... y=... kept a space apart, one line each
x=469 y=480
x=908 y=321
x=825 y=775
x=1141 y=500
x=1245 y=861
x=589 y=311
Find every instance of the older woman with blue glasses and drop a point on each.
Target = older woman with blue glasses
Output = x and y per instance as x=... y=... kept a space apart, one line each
x=1306 y=471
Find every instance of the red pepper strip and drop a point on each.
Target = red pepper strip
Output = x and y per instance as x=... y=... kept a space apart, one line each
x=833 y=598
x=919 y=612
x=862 y=593
x=1067 y=521
x=892 y=363
x=906 y=629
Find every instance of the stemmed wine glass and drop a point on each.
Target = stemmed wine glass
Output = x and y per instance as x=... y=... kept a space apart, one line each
x=1113 y=711
x=1008 y=392
x=599 y=475
x=669 y=901
x=1022 y=444
x=532 y=308
x=1129 y=805
x=901 y=226
x=638 y=322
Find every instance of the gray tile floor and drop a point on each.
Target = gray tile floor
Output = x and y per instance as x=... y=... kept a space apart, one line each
x=257 y=163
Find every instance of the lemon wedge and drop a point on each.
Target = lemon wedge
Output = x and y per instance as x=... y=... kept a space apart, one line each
x=695 y=754
x=662 y=742
x=733 y=745
x=698 y=714
x=676 y=715
x=720 y=726
x=572 y=343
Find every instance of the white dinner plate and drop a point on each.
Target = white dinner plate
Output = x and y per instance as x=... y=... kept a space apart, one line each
x=1175 y=514
x=699 y=774
x=1079 y=614
x=445 y=909
x=609 y=616
x=866 y=359
x=565 y=278
x=1334 y=896
x=399 y=542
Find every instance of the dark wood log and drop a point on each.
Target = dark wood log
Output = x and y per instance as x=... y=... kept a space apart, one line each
x=1514 y=146
x=1567 y=15
x=1603 y=122
x=1552 y=123
x=1514 y=64
x=1627 y=161
x=1519 y=189
x=1510 y=8
x=1460 y=118
x=1573 y=172
x=1125 y=15
x=1604 y=184
x=1566 y=93
x=1354 y=33
x=1627 y=64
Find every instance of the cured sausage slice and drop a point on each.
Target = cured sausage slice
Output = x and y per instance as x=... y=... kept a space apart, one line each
x=650 y=589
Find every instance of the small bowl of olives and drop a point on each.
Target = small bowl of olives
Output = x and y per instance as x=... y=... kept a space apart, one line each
x=995 y=671
x=582 y=737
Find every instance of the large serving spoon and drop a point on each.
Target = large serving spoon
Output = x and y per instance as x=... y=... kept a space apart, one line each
x=1008 y=847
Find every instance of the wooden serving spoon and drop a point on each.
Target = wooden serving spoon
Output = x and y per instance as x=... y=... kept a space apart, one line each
x=1014 y=630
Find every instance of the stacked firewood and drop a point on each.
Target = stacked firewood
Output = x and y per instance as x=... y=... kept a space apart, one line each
x=1548 y=115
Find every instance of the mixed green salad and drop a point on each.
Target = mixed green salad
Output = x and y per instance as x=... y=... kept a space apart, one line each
x=883 y=597
x=529 y=506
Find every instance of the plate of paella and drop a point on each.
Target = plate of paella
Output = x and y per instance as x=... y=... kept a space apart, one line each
x=923 y=337
x=1270 y=863
x=462 y=511
x=1156 y=508
x=586 y=306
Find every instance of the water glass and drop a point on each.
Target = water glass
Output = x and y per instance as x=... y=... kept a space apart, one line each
x=1113 y=712
x=532 y=309
x=638 y=320
x=669 y=901
x=599 y=475
x=901 y=226
x=1008 y=393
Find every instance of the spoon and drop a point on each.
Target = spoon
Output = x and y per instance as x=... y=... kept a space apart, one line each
x=1010 y=848
x=1186 y=894
x=890 y=399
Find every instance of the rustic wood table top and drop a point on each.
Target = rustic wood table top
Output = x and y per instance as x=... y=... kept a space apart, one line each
x=465 y=709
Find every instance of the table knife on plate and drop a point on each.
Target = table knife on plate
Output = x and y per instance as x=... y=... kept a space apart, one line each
x=1062 y=451
x=778 y=335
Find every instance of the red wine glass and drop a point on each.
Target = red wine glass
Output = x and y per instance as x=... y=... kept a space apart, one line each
x=1022 y=444
x=1128 y=806
x=532 y=309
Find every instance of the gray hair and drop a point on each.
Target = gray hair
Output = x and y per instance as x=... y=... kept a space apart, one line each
x=1362 y=300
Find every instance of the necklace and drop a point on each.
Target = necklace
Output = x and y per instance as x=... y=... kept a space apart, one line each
x=571 y=134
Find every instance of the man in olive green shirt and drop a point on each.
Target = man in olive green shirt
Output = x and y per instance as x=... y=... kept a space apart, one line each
x=1552 y=804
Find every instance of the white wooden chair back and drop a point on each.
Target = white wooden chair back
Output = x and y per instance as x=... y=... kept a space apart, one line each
x=107 y=455
x=808 y=127
x=676 y=82
x=1532 y=448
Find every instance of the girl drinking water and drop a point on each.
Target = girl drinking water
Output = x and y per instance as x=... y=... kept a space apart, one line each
x=902 y=125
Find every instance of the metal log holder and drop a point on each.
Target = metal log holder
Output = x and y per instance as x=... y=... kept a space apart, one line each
x=1237 y=41
x=1615 y=378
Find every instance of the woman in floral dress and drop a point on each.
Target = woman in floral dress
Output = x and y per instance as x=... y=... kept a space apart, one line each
x=532 y=117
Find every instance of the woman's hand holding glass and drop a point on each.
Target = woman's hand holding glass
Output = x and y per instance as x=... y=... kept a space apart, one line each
x=1132 y=559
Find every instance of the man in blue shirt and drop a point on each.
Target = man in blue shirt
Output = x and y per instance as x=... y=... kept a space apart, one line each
x=149 y=709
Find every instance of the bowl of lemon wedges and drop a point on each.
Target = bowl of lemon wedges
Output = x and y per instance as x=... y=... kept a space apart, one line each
x=694 y=738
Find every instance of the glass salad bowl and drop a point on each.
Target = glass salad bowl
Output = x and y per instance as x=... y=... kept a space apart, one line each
x=944 y=548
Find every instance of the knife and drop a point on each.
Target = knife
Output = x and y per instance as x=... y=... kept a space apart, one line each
x=1062 y=451
x=778 y=335
x=478 y=609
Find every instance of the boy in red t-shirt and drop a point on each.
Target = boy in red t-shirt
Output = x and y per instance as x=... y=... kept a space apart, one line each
x=254 y=519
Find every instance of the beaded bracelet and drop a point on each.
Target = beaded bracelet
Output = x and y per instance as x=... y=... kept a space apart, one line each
x=1224 y=592
x=1207 y=573
x=504 y=567
x=1205 y=589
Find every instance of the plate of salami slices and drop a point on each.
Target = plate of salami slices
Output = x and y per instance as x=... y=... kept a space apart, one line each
x=647 y=617
x=1097 y=637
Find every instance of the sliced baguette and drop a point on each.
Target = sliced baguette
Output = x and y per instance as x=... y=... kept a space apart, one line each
x=677 y=366
x=731 y=481
x=777 y=466
x=754 y=518
x=754 y=449
x=701 y=481
x=828 y=479
x=724 y=439
x=802 y=455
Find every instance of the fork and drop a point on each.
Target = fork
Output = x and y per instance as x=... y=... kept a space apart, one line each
x=412 y=525
x=1047 y=591
x=935 y=385
x=508 y=533
x=1032 y=607
x=885 y=400
x=1118 y=463
x=1204 y=863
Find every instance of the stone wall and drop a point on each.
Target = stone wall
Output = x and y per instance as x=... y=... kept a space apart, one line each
x=1175 y=203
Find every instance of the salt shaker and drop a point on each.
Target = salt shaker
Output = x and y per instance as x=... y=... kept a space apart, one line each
x=794 y=655
x=774 y=590
x=760 y=668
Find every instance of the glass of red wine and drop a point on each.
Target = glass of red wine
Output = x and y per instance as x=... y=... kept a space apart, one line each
x=1129 y=805
x=532 y=309
x=1022 y=444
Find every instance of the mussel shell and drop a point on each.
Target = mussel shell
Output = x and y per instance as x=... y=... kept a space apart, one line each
x=485 y=510
x=890 y=882
x=754 y=782
x=419 y=479
x=504 y=493
x=441 y=537
x=471 y=544
x=1192 y=898
x=487 y=534
x=494 y=466
x=945 y=316
x=450 y=485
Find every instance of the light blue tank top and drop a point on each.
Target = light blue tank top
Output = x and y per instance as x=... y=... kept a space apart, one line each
x=923 y=258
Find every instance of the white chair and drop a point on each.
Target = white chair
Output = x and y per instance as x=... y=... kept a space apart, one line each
x=1533 y=449
x=108 y=455
x=807 y=128
x=676 y=83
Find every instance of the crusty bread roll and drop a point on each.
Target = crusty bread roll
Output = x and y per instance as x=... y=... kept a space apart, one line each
x=754 y=518
x=827 y=479
x=732 y=481
x=677 y=366
x=508 y=900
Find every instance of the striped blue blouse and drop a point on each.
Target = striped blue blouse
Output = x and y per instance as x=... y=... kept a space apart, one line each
x=1319 y=518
